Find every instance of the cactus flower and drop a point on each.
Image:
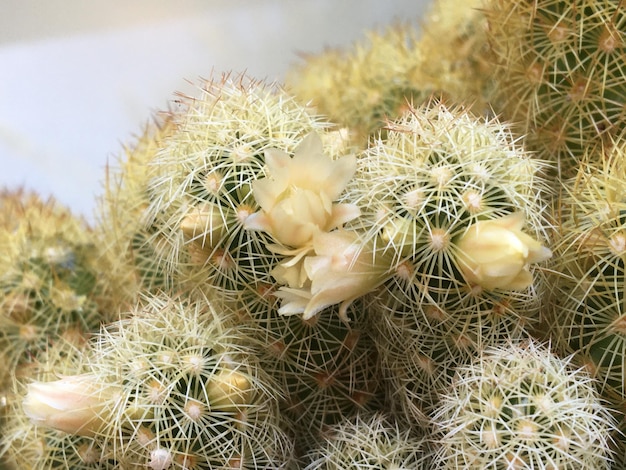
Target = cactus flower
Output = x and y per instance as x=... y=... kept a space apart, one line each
x=496 y=254
x=74 y=404
x=296 y=198
x=340 y=271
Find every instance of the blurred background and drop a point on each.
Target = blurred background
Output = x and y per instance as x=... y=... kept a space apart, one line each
x=79 y=78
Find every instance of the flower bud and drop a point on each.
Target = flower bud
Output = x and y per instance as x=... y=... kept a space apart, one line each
x=75 y=404
x=204 y=224
x=495 y=254
x=228 y=390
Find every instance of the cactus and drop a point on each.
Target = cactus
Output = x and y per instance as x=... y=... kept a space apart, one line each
x=375 y=80
x=360 y=88
x=199 y=185
x=369 y=440
x=24 y=445
x=585 y=310
x=171 y=386
x=559 y=73
x=520 y=406
x=445 y=196
x=327 y=370
x=454 y=55
x=51 y=284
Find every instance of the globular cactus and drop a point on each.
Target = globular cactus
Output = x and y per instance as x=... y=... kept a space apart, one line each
x=170 y=387
x=373 y=81
x=369 y=440
x=559 y=73
x=585 y=310
x=458 y=206
x=454 y=57
x=25 y=445
x=199 y=185
x=361 y=87
x=51 y=282
x=518 y=406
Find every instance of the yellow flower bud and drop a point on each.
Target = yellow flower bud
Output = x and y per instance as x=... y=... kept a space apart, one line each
x=495 y=254
x=228 y=390
x=75 y=404
x=204 y=224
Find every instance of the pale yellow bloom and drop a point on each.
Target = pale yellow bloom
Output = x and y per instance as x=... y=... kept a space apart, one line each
x=75 y=404
x=297 y=197
x=341 y=270
x=496 y=254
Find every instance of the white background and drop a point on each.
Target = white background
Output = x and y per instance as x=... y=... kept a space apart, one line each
x=78 y=78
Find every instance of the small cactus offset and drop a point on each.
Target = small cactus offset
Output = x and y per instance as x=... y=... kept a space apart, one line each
x=518 y=406
x=370 y=440
x=560 y=73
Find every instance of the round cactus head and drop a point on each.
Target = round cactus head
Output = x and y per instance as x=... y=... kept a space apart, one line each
x=519 y=406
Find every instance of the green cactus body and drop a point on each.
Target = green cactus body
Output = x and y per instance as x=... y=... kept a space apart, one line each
x=519 y=406
x=585 y=311
x=560 y=73
x=440 y=172
x=192 y=394
x=50 y=279
x=327 y=370
x=129 y=257
x=366 y=441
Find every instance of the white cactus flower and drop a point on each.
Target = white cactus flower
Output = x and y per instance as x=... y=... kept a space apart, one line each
x=297 y=197
x=341 y=270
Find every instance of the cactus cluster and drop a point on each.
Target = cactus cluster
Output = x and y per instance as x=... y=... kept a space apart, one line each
x=411 y=255
x=560 y=73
